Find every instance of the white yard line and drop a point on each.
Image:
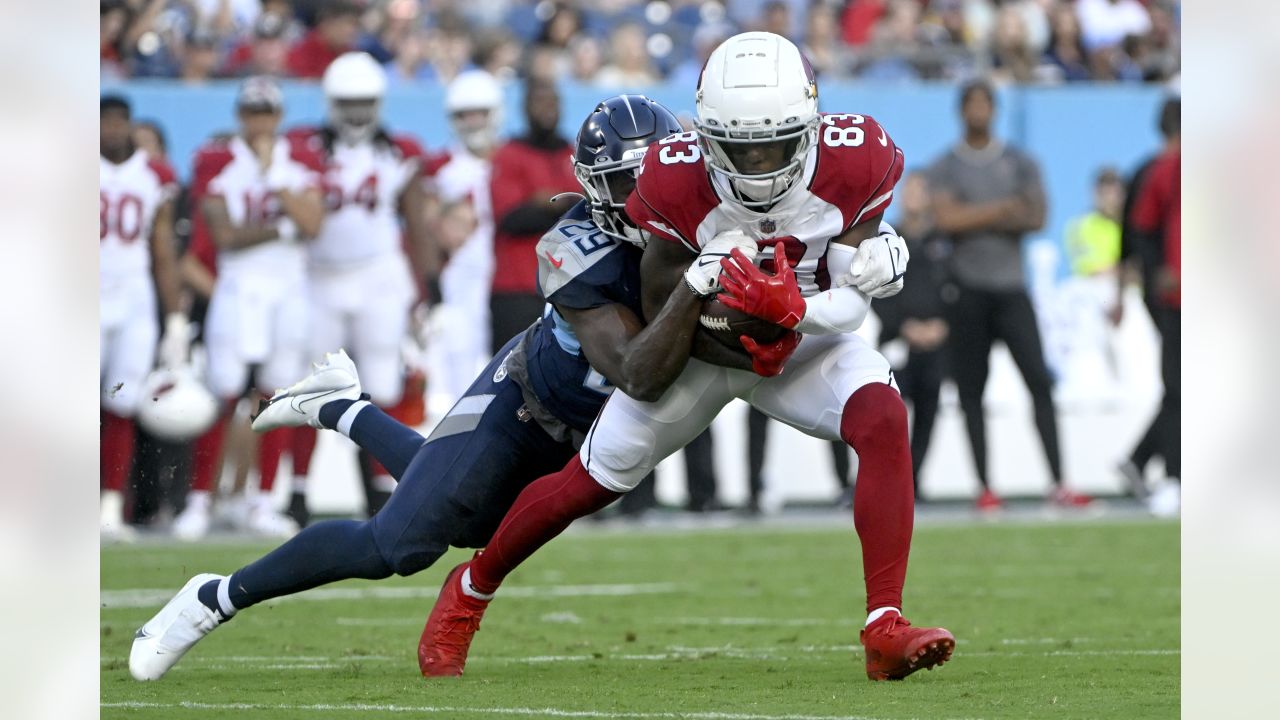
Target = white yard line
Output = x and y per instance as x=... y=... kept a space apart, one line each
x=155 y=597
x=455 y=710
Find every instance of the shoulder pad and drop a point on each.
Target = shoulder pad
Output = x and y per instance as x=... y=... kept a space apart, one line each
x=572 y=246
x=858 y=166
x=673 y=193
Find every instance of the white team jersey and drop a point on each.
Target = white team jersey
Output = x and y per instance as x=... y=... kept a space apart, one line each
x=129 y=194
x=848 y=178
x=230 y=170
x=463 y=177
x=362 y=187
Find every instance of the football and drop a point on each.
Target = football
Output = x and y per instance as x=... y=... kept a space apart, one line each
x=726 y=324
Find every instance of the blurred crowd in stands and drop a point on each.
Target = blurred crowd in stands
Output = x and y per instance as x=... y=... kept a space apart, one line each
x=635 y=43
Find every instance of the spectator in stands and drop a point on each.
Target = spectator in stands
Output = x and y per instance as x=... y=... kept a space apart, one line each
x=775 y=17
x=822 y=43
x=586 y=57
x=1106 y=23
x=396 y=21
x=497 y=53
x=411 y=63
x=199 y=57
x=114 y=42
x=1065 y=58
x=336 y=31
x=527 y=172
x=917 y=316
x=987 y=196
x=265 y=53
x=631 y=68
x=895 y=43
x=706 y=38
x=1153 y=235
x=1013 y=60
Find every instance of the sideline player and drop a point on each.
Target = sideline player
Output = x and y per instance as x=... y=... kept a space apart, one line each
x=136 y=257
x=764 y=165
x=459 y=184
x=359 y=284
x=524 y=416
x=259 y=198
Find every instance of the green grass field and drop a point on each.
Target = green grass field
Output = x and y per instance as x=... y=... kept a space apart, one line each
x=1072 y=620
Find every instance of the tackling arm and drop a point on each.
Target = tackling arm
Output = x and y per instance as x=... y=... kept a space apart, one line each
x=641 y=361
x=662 y=271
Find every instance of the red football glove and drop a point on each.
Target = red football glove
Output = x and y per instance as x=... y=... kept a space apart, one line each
x=775 y=298
x=767 y=360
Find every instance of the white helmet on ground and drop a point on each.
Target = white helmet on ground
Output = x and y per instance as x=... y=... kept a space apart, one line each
x=757 y=116
x=353 y=85
x=474 y=90
x=175 y=405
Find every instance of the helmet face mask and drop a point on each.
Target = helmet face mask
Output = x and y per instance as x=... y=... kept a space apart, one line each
x=355 y=119
x=611 y=146
x=473 y=103
x=353 y=86
x=758 y=167
x=608 y=185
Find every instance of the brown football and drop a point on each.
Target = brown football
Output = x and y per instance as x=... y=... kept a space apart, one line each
x=726 y=324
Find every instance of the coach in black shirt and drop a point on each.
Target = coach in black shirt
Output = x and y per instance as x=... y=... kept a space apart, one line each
x=986 y=197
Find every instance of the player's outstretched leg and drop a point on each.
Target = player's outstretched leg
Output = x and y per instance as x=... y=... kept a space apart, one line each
x=874 y=423
x=541 y=512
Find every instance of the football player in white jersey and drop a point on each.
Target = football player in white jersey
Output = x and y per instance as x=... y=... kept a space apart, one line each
x=458 y=180
x=259 y=200
x=764 y=178
x=136 y=263
x=360 y=285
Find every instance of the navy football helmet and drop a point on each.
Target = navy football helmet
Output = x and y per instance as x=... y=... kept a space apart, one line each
x=610 y=148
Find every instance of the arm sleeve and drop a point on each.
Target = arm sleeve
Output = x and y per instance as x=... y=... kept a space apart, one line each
x=842 y=309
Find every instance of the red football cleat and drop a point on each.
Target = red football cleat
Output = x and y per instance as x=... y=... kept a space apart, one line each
x=895 y=649
x=1063 y=497
x=988 y=502
x=442 y=650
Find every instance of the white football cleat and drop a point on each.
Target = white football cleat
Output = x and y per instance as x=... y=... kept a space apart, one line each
x=165 y=638
x=112 y=526
x=334 y=378
x=192 y=523
x=263 y=519
x=1166 y=500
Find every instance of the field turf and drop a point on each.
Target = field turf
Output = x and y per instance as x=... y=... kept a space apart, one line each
x=1061 y=620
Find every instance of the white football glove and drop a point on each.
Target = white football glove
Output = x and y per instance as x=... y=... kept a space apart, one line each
x=703 y=276
x=880 y=263
x=176 y=341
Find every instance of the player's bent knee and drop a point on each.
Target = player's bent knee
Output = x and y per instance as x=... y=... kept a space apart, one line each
x=875 y=411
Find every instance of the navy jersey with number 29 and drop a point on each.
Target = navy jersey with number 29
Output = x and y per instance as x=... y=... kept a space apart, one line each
x=580 y=268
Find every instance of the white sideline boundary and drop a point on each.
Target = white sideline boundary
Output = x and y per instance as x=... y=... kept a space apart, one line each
x=507 y=711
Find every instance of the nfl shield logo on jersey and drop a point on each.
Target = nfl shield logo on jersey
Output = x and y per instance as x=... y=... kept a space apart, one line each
x=768 y=226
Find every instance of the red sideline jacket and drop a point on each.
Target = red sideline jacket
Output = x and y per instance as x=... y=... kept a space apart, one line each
x=520 y=172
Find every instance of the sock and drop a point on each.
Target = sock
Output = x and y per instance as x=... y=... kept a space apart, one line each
x=542 y=511
x=213 y=595
x=302 y=447
x=391 y=443
x=322 y=553
x=878 y=613
x=204 y=456
x=470 y=590
x=271 y=447
x=874 y=423
x=117 y=450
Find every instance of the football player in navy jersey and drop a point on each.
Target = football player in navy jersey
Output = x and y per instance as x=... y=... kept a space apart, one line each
x=522 y=418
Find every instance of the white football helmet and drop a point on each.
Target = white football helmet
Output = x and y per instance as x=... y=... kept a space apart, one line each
x=756 y=89
x=175 y=405
x=475 y=90
x=353 y=85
